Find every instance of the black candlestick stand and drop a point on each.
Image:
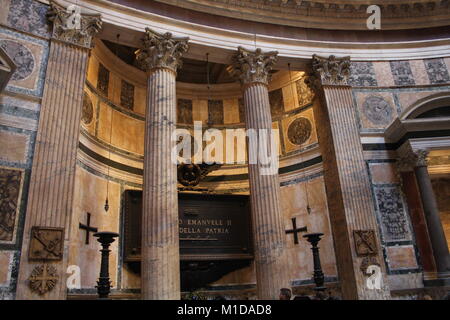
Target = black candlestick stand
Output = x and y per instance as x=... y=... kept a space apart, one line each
x=103 y=283
x=319 y=278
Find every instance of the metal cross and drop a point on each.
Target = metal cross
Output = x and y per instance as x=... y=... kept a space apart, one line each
x=87 y=227
x=296 y=230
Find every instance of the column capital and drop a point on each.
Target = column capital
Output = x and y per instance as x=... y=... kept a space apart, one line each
x=413 y=158
x=253 y=67
x=329 y=71
x=73 y=26
x=161 y=51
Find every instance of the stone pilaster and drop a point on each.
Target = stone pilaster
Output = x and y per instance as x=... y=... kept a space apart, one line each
x=53 y=170
x=350 y=201
x=417 y=159
x=252 y=68
x=160 y=57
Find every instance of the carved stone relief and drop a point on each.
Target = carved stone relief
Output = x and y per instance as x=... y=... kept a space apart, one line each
x=392 y=213
x=10 y=184
x=43 y=279
x=299 y=131
x=365 y=242
x=46 y=243
x=378 y=110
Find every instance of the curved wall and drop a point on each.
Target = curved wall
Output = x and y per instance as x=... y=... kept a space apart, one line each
x=110 y=158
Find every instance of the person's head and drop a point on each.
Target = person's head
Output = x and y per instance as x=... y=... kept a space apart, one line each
x=285 y=294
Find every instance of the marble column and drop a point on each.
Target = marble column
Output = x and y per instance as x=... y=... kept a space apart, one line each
x=350 y=202
x=418 y=160
x=53 y=170
x=160 y=57
x=252 y=68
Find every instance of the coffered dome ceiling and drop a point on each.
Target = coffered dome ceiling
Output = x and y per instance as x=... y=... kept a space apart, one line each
x=326 y=14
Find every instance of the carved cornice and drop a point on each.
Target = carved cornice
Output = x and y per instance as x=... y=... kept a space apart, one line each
x=72 y=26
x=327 y=14
x=161 y=51
x=329 y=71
x=253 y=67
x=413 y=158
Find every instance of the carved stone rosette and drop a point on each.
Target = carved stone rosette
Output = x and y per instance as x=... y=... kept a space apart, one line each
x=161 y=51
x=71 y=26
x=43 y=278
x=329 y=71
x=412 y=159
x=253 y=67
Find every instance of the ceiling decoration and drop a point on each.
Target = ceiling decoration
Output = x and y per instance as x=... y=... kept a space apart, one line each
x=327 y=14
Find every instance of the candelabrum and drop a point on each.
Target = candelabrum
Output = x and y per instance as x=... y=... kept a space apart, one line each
x=103 y=283
x=319 y=279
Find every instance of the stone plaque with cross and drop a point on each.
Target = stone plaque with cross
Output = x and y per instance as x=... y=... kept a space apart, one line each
x=87 y=227
x=365 y=242
x=43 y=278
x=46 y=243
x=295 y=231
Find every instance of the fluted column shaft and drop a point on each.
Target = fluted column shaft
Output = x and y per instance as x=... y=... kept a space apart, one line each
x=53 y=171
x=267 y=220
x=252 y=68
x=160 y=57
x=348 y=185
x=160 y=245
x=52 y=178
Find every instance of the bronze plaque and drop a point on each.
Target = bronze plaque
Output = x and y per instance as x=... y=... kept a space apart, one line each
x=46 y=243
x=211 y=227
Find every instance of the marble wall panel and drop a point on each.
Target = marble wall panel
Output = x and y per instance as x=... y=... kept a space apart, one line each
x=437 y=71
x=276 y=102
x=200 y=111
x=215 y=112
x=230 y=111
x=401 y=257
x=392 y=213
x=402 y=74
x=290 y=97
x=14 y=146
x=419 y=72
x=383 y=173
x=28 y=16
x=184 y=111
x=362 y=74
x=375 y=110
x=30 y=56
x=6 y=259
x=127 y=95
x=383 y=73
x=11 y=183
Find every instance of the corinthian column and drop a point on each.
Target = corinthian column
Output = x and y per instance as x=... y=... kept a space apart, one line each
x=417 y=159
x=160 y=57
x=52 y=180
x=350 y=202
x=252 y=68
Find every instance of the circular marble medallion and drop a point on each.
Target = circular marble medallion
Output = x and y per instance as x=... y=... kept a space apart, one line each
x=22 y=57
x=88 y=110
x=377 y=110
x=299 y=131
